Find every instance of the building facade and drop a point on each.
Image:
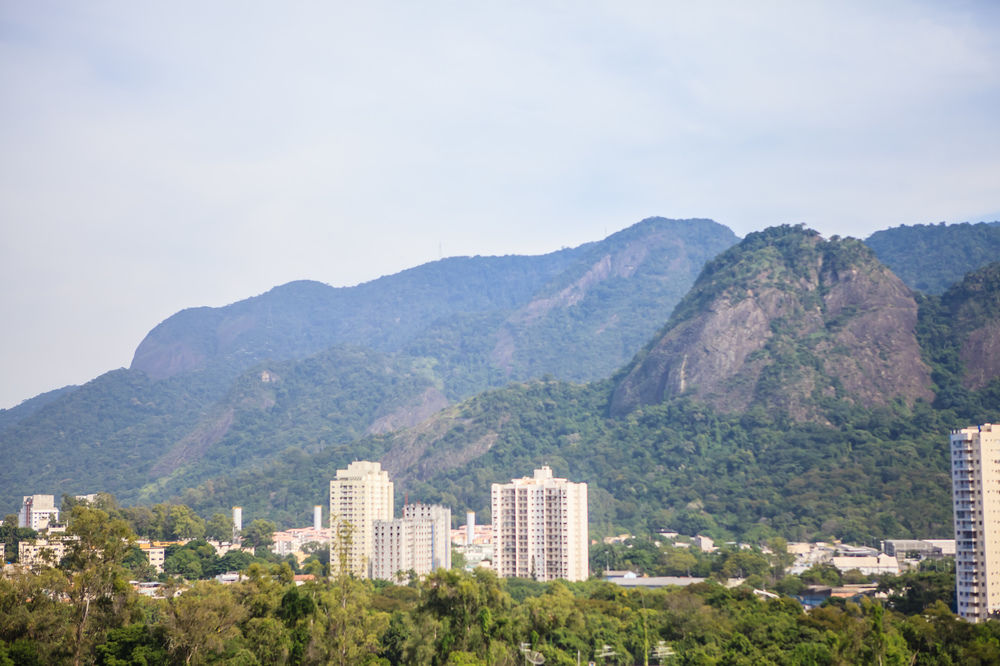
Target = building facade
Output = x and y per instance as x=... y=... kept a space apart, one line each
x=401 y=546
x=540 y=528
x=440 y=520
x=419 y=542
x=37 y=512
x=975 y=474
x=360 y=495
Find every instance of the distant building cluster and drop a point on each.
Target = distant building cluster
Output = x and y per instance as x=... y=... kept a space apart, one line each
x=539 y=529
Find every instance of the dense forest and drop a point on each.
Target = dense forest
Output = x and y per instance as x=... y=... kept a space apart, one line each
x=932 y=257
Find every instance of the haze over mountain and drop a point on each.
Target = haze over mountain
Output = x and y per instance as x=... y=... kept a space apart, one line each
x=310 y=366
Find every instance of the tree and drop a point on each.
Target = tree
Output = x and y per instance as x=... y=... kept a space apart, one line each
x=199 y=621
x=98 y=592
x=183 y=523
x=259 y=533
x=220 y=527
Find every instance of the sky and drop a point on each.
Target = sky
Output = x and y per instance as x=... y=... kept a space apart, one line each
x=158 y=156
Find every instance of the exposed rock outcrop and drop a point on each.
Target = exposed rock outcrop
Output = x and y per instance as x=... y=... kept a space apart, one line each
x=786 y=320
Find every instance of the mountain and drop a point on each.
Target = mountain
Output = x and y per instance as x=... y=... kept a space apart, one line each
x=932 y=257
x=577 y=313
x=789 y=321
x=307 y=366
x=807 y=451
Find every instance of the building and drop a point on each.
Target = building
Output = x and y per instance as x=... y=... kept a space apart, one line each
x=540 y=528
x=360 y=495
x=975 y=475
x=919 y=548
x=37 y=512
x=40 y=553
x=401 y=546
x=155 y=554
x=294 y=540
x=869 y=565
x=440 y=519
x=420 y=542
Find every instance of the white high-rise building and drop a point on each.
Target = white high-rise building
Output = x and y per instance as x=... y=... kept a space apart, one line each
x=975 y=474
x=540 y=528
x=37 y=512
x=360 y=495
x=420 y=541
x=440 y=517
x=401 y=546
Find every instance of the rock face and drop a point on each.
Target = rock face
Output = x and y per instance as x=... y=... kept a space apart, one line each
x=788 y=321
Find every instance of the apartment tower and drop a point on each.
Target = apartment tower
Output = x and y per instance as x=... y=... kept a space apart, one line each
x=975 y=474
x=420 y=541
x=360 y=495
x=540 y=528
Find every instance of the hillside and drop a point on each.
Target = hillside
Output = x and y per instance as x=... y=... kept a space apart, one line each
x=932 y=257
x=343 y=362
x=786 y=321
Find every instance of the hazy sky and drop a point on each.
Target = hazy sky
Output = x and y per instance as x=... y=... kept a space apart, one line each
x=156 y=156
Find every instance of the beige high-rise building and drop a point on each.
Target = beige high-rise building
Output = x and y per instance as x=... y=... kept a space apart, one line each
x=360 y=495
x=975 y=474
x=540 y=528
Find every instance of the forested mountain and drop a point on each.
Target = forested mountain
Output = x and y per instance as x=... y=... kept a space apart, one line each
x=215 y=390
x=799 y=389
x=808 y=464
x=932 y=257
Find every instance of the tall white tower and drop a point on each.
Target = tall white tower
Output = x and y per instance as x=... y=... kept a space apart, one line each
x=975 y=474
x=360 y=495
x=540 y=528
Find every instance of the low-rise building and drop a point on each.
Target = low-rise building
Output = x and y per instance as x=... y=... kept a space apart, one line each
x=154 y=554
x=867 y=564
x=40 y=553
x=290 y=542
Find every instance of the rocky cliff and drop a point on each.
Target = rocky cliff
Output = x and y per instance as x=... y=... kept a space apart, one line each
x=786 y=320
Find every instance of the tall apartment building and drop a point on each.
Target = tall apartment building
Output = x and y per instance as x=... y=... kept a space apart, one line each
x=440 y=523
x=400 y=546
x=420 y=541
x=360 y=495
x=975 y=474
x=37 y=512
x=540 y=528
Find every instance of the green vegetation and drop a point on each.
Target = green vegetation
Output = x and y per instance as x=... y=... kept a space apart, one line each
x=932 y=257
x=84 y=611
